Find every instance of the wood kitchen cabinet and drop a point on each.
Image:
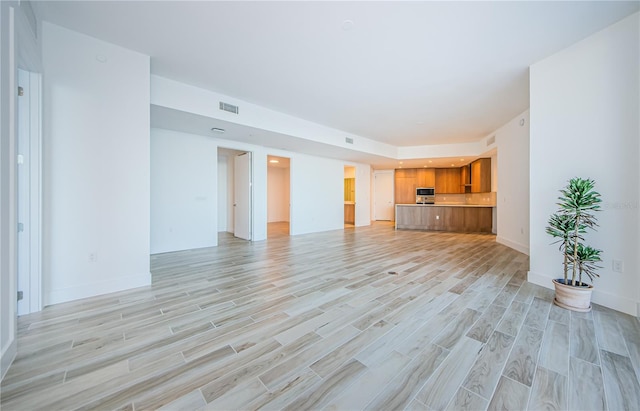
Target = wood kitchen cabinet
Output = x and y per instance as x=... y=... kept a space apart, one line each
x=408 y=179
x=477 y=220
x=349 y=213
x=465 y=178
x=425 y=177
x=448 y=181
x=405 y=186
x=474 y=178
x=471 y=219
x=481 y=175
x=435 y=218
x=405 y=173
x=409 y=217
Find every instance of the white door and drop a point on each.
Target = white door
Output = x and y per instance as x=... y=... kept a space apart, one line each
x=28 y=187
x=242 y=196
x=383 y=196
x=24 y=289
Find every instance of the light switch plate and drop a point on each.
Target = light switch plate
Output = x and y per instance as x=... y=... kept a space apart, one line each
x=618 y=266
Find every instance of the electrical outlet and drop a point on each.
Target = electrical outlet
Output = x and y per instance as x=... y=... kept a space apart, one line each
x=92 y=257
x=618 y=266
x=437 y=217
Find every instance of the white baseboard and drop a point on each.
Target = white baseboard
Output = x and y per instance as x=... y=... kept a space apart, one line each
x=7 y=357
x=512 y=244
x=615 y=302
x=97 y=288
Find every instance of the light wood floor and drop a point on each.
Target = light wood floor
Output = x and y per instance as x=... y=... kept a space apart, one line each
x=366 y=318
x=278 y=229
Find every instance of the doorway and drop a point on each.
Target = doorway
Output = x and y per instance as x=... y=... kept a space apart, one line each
x=349 y=196
x=278 y=196
x=235 y=194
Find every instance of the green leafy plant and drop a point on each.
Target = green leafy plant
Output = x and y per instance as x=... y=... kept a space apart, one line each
x=586 y=262
x=576 y=214
x=561 y=226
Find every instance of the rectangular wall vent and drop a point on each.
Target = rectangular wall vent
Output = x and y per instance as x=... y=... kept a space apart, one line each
x=229 y=107
x=349 y=140
x=491 y=140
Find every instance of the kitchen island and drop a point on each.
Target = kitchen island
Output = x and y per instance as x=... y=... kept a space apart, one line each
x=465 y=218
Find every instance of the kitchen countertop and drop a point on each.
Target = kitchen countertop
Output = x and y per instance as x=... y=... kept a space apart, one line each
x=446 y=205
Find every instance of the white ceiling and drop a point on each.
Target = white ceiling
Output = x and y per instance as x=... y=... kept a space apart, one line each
x=404 y=73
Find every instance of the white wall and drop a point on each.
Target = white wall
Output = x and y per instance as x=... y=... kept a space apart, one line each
x=584 y=122
x=317 y=194
x=8 y=221
x=96 y=166
x=512 y=183
x=363 y=195
x=443 y=150
x=316 y=191
x=184 y=199
x=278 y=192
x=173 y=94
x=316 y=200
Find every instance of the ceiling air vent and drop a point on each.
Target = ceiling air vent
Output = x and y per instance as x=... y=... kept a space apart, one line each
x=349 y=140
x=229 y=107
x=491 y=140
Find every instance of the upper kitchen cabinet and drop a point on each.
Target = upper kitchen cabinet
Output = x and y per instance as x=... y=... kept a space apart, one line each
x=426 y=177
x=405 y=186
x=481 y=175
x=406 y=173
x=473 y=178
x=465 y=176
x=408 y=179
x=448 y=181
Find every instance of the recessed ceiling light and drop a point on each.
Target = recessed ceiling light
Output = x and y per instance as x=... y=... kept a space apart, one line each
x=347 y=25
x=453 y=165
x=217 y=130
x=425 y=166
x=274 y=161
x=401 y=162
x=430 y=161
x=462 y=159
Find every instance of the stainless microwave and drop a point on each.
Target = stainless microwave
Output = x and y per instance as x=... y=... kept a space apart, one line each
x=425 y=191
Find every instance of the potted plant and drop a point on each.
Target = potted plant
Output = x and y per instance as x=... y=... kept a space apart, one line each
x=576 y=215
